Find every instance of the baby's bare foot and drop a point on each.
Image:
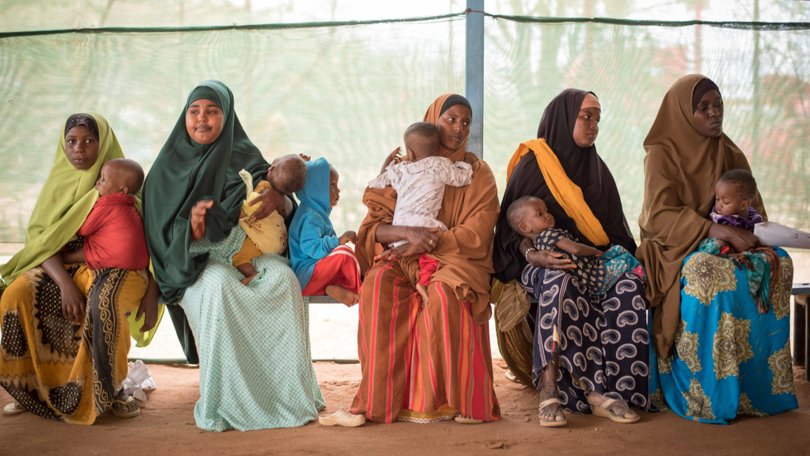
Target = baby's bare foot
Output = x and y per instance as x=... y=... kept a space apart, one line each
x=423 y=293
x=342 y=295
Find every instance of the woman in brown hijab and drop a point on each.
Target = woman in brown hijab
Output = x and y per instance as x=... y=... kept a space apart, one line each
x=430 y=362
x=733 y=359
x=589 y=353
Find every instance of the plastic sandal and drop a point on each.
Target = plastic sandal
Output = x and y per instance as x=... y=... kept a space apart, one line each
x=604 y=411
x=13 y=408
x=467 y=420
x=552 y=422
x=342 y=418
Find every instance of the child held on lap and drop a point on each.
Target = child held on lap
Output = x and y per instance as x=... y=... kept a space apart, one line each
x=734 y=193
x=320 y=259
x=268 y=235
x=419 y=180
x=113 y=231
x=596 y=270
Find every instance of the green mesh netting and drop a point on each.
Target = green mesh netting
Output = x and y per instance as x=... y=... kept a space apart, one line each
x=330 y=88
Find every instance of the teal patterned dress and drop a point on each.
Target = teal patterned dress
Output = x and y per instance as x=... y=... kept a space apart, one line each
x=255 y=364
x=729 y=358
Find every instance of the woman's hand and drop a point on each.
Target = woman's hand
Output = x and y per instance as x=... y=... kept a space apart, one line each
x=394 y=157
x=270 y=200
x=420 y=240
x=149 y=305
x=198 y=213
x=547 y=259
x=742 y=240
x=73 y=302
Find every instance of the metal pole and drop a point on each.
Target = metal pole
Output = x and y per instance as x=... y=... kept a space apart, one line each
x=475 y=74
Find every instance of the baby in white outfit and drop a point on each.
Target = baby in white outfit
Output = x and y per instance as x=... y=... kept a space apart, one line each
x=419 y=182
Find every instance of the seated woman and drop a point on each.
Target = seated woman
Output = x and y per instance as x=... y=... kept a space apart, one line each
x=65 y=337
x=590 y=351
x=430 y=362
x=253 y=340
x=728 y=358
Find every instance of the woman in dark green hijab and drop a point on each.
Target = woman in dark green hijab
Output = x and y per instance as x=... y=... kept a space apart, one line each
x=247 y=337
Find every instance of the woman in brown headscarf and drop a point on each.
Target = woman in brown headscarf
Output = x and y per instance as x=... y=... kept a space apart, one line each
x=432 y=362
x=589 y=352
x=732 y=359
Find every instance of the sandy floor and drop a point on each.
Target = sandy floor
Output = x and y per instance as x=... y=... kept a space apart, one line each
x=167 y=427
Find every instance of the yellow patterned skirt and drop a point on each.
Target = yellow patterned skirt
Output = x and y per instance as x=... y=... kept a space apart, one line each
x=57 y=369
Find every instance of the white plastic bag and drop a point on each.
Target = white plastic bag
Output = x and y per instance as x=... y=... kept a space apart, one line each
x=138 y=381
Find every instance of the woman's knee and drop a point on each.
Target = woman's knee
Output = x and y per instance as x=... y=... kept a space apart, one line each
x=382 y=277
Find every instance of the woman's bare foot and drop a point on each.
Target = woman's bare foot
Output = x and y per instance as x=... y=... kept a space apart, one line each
x=422 y=292
x=342 y=295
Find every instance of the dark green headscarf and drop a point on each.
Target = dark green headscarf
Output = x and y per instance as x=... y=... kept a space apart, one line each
x=183 y=174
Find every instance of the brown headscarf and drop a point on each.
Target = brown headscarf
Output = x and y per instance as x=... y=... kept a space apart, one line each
x=465 y=249
x=680 y=171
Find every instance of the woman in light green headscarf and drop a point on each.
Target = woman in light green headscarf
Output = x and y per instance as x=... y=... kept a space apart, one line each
x=65 y=337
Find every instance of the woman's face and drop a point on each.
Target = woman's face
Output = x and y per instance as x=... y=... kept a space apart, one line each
x=454 y=126
x=204 y=121
x=586 y=127
x=709 y=114
x=81 y=147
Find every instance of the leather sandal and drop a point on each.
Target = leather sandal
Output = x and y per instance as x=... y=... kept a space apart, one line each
x=125 y=407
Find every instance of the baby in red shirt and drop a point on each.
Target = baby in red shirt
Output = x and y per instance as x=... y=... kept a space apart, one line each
x=113 y=231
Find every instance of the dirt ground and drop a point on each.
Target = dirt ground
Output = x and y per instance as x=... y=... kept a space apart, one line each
x=166 y=426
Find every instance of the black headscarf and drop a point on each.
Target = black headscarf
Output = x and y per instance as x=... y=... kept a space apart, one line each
x=453 y=100
x=701 y=88
x=82 y=120
x=582 y=165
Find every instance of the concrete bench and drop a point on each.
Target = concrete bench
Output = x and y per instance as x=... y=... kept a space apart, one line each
x=801 y=327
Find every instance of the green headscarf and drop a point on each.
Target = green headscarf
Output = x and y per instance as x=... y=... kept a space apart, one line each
x=183 y=174
x=64 y=202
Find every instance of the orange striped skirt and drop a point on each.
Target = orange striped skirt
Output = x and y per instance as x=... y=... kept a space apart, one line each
x=420 y=363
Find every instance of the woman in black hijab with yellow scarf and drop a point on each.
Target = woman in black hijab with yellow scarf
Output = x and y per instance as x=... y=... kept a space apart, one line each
x=589 y=353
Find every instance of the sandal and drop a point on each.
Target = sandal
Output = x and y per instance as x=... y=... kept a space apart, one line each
x=13 y=408
x=604 y=410
x=511 y=376
x=551 y=422
x=125 y=407
x=467 y=420
x=342 y=418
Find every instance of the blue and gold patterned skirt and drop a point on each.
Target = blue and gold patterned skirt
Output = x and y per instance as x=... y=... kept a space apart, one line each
x=728 y=359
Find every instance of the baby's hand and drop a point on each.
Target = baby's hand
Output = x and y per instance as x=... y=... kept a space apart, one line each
x=349 y=236
x=305 y=157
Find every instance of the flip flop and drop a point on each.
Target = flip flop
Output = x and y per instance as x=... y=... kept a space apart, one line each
x=125 y=408
x=546 y=422
x=13 y=408
x=511 y=376
x=342 y=418
x=466 y=420
x=604 y=411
